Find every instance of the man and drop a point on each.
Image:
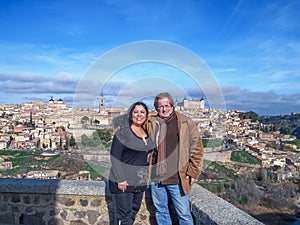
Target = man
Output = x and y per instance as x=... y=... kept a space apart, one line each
x=176 y=164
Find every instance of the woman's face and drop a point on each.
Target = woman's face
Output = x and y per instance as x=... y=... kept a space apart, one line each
x=139 y=115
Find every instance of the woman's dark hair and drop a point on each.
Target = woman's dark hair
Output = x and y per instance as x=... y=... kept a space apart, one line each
x=123 y=122
x=132 y=108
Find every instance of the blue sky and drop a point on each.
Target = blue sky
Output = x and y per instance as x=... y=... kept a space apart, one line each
x=252 y=47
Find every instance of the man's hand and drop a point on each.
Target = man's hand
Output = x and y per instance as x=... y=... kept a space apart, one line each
x=122 y=186
x=192 y=180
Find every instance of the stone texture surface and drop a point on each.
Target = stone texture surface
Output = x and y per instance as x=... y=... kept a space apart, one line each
x=70 y=202
x=210 y=209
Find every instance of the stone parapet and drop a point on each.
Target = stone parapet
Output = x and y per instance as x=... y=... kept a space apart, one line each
x=207 y=208
x=72 y=202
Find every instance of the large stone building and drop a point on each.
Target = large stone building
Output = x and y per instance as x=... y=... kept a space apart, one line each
x=190 y=104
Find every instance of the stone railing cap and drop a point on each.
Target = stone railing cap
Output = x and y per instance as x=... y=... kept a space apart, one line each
x=72 y=187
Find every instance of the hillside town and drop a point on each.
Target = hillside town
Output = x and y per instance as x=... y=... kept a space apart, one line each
x=54 y=128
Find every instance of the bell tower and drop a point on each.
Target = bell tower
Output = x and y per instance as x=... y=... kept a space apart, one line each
x=101 y=104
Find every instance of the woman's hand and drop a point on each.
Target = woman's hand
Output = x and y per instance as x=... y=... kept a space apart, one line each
x=122 y=186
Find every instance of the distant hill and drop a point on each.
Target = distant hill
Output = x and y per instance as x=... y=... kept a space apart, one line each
x=287 y=124
x=249 y=115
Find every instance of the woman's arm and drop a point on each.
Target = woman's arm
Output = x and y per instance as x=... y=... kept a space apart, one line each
x=116 y=153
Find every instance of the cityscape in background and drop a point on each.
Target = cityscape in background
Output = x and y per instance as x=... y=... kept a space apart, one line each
x=54 y=129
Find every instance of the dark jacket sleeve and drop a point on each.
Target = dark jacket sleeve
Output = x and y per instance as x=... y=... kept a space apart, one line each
x=116 y=153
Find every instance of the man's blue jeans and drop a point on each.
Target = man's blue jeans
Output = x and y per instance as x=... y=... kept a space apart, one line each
x=180 y=201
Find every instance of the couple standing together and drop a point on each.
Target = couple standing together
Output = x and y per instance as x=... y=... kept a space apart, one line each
x=165 y=149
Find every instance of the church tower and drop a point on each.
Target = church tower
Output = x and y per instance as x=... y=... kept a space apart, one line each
x=101 y=105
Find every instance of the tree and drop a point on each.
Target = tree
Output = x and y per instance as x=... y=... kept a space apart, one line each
x=38 y=144
x=263 y=175
x=67 y=145
x=285 y=130
x=84 y=140
x=265 y=129
x=72 y=141
x=96 y=140
x=97 y=122
x=249 y=115
x=296 y=132
x=105 y=135
x=280 y=196
x=30 y=119
x=84 y=119
x=246 y=193
x=60 y=143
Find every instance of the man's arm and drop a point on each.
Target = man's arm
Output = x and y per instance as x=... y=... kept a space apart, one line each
x=196 y=152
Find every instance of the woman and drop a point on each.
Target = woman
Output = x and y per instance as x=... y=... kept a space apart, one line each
x=129 y=155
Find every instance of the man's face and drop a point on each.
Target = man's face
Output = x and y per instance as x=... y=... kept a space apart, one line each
x=164 y=108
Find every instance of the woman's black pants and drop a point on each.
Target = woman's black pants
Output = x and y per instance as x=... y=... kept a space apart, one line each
x=126 y=206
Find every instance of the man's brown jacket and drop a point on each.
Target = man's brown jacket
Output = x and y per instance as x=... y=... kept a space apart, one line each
x=190 y=147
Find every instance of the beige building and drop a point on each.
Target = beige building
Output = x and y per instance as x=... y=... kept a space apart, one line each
x=190 y=104
x=43 y=174
x=5 y=165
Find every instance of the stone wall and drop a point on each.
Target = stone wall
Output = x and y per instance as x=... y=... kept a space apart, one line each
x=70 y=202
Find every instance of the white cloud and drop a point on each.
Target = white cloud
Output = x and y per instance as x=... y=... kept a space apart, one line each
x=31 y=83
x=263 y=103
